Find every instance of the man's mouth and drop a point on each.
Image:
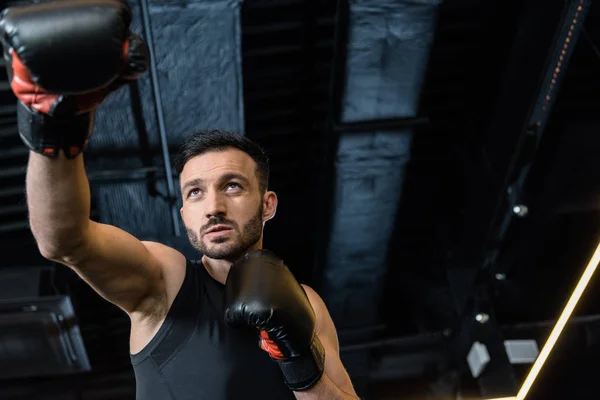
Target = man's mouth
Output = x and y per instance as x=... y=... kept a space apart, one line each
x=217 y=228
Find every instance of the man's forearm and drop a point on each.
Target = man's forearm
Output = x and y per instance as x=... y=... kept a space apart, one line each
x=58 y=198
x=325 y=389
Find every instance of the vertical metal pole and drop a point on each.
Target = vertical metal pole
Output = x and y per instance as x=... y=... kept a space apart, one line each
x=160 y=118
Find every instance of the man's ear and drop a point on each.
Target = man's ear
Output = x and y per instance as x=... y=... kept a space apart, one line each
x=269 y=205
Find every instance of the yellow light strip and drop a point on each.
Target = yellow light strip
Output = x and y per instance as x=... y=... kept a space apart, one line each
x=558 y=327
x=560 y=324
x=504 y=398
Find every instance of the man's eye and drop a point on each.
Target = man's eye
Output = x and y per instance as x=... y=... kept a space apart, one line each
x=233 y=185
x=193 y=192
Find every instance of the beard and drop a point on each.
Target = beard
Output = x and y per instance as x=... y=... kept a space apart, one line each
x=229 y=248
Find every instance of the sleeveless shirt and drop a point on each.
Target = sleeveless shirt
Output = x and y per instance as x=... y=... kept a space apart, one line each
x=196 y=356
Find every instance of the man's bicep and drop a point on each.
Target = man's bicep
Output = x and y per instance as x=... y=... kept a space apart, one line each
x=327 y=333
x=118 y=266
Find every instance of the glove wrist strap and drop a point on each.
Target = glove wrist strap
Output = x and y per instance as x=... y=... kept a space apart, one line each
x=302 y=373
x=47 y=135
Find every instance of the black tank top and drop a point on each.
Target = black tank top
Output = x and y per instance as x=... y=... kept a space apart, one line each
x=195 y=356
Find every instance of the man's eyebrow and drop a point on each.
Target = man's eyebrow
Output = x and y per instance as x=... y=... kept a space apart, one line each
x=192 y=182
x=233 y=176
x=223 y=178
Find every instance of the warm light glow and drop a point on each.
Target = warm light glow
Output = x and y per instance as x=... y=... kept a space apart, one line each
x=503 y=398
x=560 y=324
x=558 y=328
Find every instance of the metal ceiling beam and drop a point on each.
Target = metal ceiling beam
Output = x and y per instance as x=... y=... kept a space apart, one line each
x=380 y=125
x=538 y=60
x=527 y=94
x=513 y=204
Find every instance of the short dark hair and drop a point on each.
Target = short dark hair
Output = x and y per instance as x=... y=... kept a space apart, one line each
x=218 y=140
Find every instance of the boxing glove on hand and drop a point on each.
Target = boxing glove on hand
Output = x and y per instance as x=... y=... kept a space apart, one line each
x=63 y=59
x=261 y=292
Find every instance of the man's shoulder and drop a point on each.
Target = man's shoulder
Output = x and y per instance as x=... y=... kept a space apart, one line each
x=165 y=254
x=315 y=300
x=310 y=292
x=172 y=264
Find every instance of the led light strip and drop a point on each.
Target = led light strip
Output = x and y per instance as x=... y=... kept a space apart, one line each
x=560 y=324
x=558 y=328
x=504 y=398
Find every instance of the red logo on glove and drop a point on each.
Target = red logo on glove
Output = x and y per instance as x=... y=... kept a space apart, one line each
x=269 y=346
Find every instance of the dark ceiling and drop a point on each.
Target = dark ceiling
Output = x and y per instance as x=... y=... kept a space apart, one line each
x=396 y=207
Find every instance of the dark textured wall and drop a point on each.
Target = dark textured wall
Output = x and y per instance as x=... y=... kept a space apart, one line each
x=197 y=59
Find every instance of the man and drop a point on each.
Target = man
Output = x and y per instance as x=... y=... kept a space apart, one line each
x=195 y=328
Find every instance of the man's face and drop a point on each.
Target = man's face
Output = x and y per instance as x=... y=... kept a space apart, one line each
x=223 y=208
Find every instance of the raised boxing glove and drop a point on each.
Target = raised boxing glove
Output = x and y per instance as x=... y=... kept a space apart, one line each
x=261 y=292
x=63 y=59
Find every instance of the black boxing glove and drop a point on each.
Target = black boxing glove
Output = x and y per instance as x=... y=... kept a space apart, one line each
x=261 y=292
x=63 y=59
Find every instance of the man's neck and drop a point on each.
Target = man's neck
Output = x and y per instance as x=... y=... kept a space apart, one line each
x=218 y=269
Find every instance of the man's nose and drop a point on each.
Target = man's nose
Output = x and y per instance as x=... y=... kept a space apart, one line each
x=215 y=205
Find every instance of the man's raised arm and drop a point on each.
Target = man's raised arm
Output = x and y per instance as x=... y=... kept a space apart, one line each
x=63 y=59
